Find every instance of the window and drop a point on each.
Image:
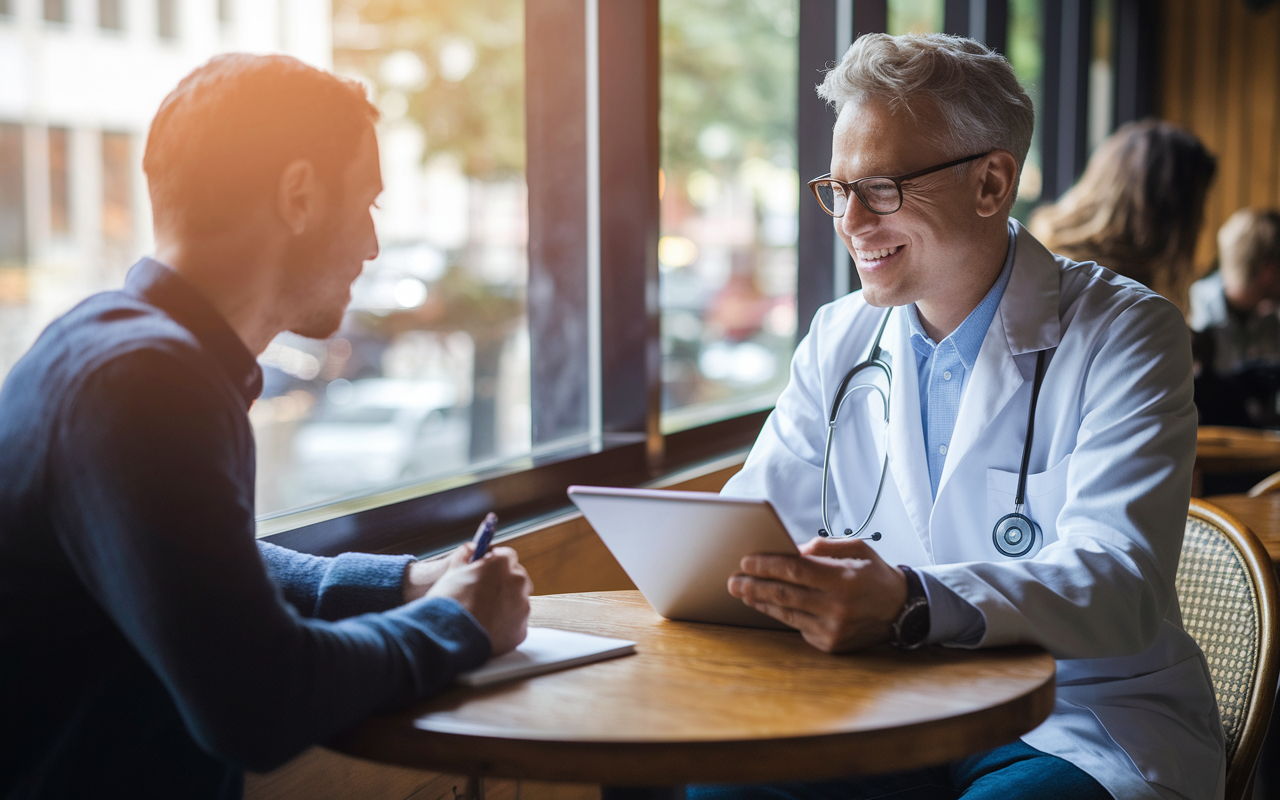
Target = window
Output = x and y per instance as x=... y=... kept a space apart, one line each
x=729 y=191
x=167 y=19
x=117 y=193
x=13 y=218
x=111 y=15
x=55 y=10
x=1025 y=54
x=430 y=372
x=60 y=181
x=1102 y=73
x=915 y=16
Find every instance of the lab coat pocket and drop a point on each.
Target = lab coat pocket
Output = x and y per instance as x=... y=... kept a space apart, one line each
x=1046 y=495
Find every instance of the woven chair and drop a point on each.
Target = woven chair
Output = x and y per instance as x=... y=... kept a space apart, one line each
x=1267 y=485
x=1227 y=591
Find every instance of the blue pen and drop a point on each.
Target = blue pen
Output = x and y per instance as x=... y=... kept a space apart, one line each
x=484 y=534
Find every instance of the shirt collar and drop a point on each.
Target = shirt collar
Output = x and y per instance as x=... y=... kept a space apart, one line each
x=967 y=338
x=162 y=287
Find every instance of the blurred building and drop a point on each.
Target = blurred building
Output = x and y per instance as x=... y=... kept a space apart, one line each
x=79 y=83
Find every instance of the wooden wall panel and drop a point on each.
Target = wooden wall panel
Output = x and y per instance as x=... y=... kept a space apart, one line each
x=1220 y=78
x=1263 y=43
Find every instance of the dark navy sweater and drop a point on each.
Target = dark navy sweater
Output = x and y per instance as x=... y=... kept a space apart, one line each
x=149 y=647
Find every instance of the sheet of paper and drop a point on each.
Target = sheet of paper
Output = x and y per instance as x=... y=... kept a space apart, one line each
x=546 y=650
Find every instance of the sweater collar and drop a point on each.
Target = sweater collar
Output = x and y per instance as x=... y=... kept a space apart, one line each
x=160 y=286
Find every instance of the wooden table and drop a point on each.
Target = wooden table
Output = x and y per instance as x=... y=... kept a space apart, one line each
x=1220 y=449
x=711 y=703
x=1261 y=514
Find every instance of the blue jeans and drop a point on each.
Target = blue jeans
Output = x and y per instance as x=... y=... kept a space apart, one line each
x=1013 y=772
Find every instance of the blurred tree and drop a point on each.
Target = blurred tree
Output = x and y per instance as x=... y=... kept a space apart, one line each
x=456 y=70
x=467 y=88
x=727 y=66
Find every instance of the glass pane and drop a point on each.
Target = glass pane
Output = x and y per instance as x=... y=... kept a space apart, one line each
x=13 y=218
x=429 y=374
x=111 y=14
x=729 y=192
x=1102 y=73
x=55 y=10
x=117 y=194
x=167 y=19
x=1025 y=24
x=59 y=181
x=915 y=16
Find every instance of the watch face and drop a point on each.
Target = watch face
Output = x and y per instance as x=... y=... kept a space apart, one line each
x=913 y=625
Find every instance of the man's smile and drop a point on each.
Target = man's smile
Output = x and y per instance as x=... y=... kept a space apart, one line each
x=876 y=257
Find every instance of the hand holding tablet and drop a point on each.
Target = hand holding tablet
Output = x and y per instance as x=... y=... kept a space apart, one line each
x=680 y=548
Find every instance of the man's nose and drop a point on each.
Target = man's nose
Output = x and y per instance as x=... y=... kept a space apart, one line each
x=857 y=218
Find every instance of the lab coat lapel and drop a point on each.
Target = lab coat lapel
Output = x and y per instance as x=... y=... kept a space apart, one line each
x=906 y=438
x=1026 y=321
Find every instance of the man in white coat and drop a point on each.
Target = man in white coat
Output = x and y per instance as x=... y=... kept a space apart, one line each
x=972 y=309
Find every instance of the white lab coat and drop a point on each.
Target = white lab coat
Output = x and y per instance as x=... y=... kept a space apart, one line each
x=1109 y=483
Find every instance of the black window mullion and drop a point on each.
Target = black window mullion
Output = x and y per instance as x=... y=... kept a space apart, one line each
x=1135 y=50
x=816 y=255
x=1064 y=119
x=984 y=20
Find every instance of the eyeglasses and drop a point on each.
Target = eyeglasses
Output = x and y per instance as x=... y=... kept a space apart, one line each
x=881 y=195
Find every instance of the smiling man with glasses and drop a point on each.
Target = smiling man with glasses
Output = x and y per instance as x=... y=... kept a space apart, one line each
x=986 y=445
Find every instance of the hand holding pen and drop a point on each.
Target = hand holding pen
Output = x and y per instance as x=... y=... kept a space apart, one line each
x=484 y=535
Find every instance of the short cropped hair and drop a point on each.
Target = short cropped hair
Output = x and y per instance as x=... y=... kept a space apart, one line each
x=222 y=138
x=1247 y=242
x=971 y=88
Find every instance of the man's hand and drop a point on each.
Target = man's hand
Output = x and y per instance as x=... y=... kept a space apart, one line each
x=838 y=593
x=420 y=576
x=494 y=589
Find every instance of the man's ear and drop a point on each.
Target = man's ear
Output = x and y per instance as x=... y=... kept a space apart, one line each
x=300 y=197
x=997 y=182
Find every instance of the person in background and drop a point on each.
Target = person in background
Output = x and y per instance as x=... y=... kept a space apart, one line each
x=1233 y=310
x=1138 y=208
x=149 y=646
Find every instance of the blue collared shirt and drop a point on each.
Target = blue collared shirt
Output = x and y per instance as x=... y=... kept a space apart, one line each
x=944 y=368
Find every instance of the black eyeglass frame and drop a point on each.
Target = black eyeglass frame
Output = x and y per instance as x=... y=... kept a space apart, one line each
x=852 y=186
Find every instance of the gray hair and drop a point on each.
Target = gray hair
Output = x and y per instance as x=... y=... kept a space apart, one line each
x=981 y=104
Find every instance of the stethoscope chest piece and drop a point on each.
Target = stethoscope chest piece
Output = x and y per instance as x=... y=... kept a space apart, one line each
x=1015 y=535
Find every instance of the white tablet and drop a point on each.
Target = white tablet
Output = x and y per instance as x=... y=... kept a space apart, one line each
x=679 y=548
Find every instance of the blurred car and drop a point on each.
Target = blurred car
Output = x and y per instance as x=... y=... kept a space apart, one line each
x=380 y=431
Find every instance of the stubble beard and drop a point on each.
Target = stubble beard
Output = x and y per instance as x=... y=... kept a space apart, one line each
x=318 y=313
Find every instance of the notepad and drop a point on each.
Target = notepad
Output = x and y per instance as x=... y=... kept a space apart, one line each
x=547 y=650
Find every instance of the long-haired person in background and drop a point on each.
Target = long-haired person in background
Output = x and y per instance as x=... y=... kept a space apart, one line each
x=1138 y=208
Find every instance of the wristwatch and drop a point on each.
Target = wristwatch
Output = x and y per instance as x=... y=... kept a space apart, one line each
x=911 y=627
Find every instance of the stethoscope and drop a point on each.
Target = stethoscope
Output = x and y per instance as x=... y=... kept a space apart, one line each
x=1014 y=534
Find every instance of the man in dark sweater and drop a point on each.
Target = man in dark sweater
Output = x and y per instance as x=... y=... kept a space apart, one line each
x=148 y=646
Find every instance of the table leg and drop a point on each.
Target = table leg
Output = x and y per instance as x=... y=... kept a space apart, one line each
x=473 y=790
x=641 y=793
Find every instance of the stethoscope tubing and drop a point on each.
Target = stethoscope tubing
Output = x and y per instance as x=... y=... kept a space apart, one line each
x=1015 y=522
x=873 y=361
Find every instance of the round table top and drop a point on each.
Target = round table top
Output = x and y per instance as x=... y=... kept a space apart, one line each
x=1261 y=514
x=703 y=703
x=1221 y=449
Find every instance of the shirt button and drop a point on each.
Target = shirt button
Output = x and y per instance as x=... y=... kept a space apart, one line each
x=942 y=449
x=946 y=376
